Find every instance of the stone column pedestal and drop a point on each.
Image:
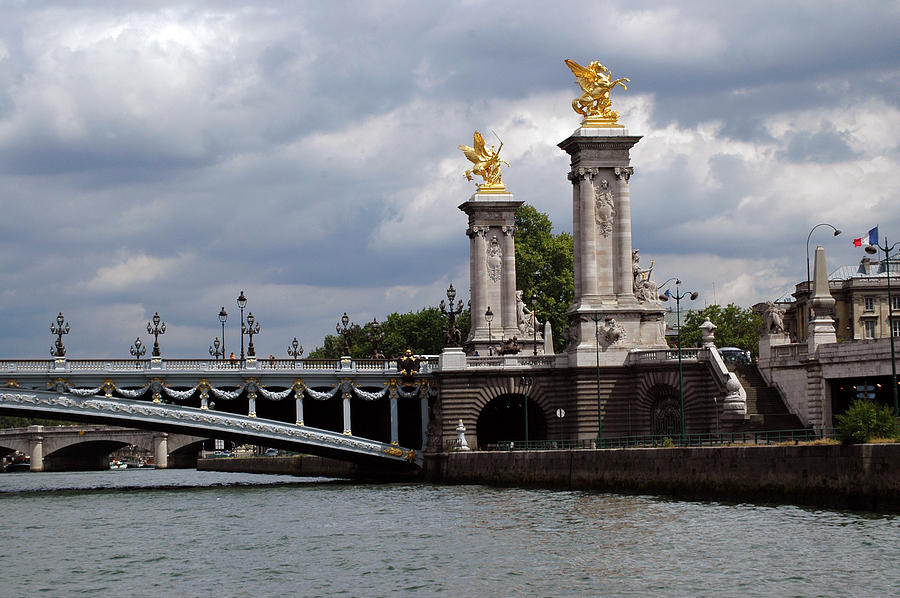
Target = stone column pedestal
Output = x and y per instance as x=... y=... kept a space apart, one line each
x=492 y=267
x=605 y=313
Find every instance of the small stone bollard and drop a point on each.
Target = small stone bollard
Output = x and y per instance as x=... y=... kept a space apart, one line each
x=461 y=444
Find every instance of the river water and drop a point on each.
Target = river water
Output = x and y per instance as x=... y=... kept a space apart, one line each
x=188 y=533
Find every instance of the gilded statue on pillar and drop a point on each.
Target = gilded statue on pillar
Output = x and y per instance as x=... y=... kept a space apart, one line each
x=486 y=164
x=594 y=104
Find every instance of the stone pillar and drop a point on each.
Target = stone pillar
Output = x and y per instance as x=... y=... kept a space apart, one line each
x=604 y=274
x=36 y=447
x=624 y=281
x=299 y=407
x=821 y=329
x=347 y=430
x=161 y=450
x=587 y=233
x=508 y=284
x=491 y=266
x=395 y=435
x=477 y=277
x=251 y=404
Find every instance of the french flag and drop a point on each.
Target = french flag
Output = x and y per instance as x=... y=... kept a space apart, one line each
x=872 y=238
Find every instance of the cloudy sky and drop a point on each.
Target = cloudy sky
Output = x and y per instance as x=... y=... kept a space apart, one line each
x=161 y=156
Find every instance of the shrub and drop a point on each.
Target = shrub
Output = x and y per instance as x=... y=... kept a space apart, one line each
x=668 y=442
x=865 y=420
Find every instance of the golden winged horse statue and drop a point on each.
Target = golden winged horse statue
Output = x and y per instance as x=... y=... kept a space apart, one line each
x=594 y=103
x=485 y=163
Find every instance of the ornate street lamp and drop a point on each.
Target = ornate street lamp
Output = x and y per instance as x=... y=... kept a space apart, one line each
x=295 y=349
x=138 y=349
x=887 y=261
x=156 y=330
x=678 y=297
x=452 y=335
x=250 y=330
x=534 y=323
x=242 y=303
x=223 y=315
x=489 y=316
x=214 y=349
x=59 y=329
x=343 y=330
x=376 y=337
x=836 y=233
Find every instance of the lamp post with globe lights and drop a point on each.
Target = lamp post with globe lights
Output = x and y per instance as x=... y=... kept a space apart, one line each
x=489 y=317
x=250 y=329
x=242 y=303
x=156 y=330
x=59 y=329
x=887 y=264
x=678 y=297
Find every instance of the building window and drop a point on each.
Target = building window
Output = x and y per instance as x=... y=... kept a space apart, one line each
x=870 y=328
x=895 y=327
x=896 y=303
x=870 y=303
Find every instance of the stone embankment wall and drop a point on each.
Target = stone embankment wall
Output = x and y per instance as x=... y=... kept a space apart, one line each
x=305 y=465
x=863 y=477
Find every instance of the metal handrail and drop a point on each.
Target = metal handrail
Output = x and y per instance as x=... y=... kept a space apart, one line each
x=670 y=440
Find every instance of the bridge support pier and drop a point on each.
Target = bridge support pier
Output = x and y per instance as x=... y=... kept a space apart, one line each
x=36 y=448
x=161 y=450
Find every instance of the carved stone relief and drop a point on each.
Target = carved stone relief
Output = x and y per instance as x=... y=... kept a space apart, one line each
x=604 y=208
x=494 y=259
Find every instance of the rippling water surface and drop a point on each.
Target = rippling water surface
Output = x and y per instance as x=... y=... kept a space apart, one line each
x=189 y=533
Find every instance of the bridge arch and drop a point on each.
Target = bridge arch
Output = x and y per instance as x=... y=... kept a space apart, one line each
x=658 y=404
x=503 y=418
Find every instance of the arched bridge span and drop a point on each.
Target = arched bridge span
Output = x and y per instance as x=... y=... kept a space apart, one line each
x=203 y=422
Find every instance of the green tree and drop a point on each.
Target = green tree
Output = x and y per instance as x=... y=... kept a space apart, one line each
x=421 y=332
x=545 y=267
x=735 y=327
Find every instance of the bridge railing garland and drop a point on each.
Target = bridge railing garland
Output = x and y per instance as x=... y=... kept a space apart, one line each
x=200 y=365
x=670 y=440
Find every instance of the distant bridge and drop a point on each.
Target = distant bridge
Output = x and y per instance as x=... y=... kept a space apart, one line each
x=355 y=410
x=79 y=446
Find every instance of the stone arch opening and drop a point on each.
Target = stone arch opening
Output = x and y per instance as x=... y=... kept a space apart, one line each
x=665 y=410
x=503 y=419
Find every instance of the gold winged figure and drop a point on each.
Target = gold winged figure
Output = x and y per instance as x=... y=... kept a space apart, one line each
x=486 y=164
x=596 y=82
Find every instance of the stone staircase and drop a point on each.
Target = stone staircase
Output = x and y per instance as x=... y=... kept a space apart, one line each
x=764 y=404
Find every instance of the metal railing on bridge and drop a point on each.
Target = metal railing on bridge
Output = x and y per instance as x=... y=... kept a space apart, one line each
x=428 y=364
x=671 y=440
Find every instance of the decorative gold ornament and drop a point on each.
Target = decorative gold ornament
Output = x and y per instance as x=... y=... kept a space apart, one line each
x=596 y=82
x=11 y=383
x=410 y=455
x=393 y=451
x=486 y=165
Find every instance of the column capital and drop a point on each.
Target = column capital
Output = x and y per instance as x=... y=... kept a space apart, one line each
x=476 y=231
x=509 y=231
x=623 y=173
x=578 y=174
